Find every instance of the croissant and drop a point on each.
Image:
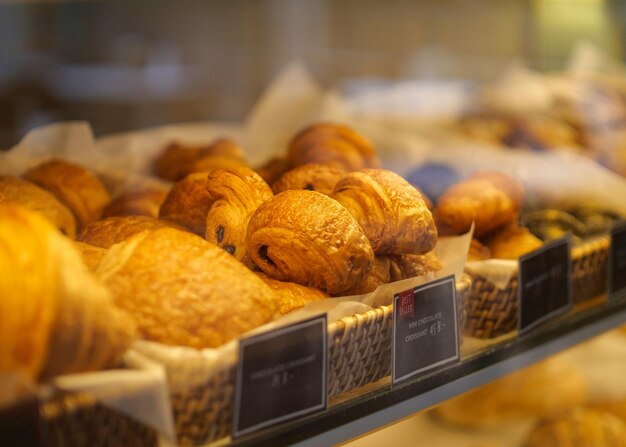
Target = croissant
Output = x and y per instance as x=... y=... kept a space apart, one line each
x=410 y=266
x=179 y=160
x=391 y=212
x=332 y=143
x=55 y=317
x=291 y=296
x=90 y=254
x=235 y=195
x=75 y=186
x=188 y=203
x=312 y=176
x=377 y=276
x=136 y=203
x=27 y=194
x=112 y=230
x=183 y=290
x=512 y=242
x=308 y=238
x=273 y=169
x=579 y=427
x=478 y=252
x=490 y=199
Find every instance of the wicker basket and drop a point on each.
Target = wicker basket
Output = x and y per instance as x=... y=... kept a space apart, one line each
x=359 y=354
x=492 y=311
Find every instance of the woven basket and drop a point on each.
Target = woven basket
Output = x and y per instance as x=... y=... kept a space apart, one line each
x=359 y=354
x=492 y=311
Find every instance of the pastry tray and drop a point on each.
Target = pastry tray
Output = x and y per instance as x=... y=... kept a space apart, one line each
x=492 y=311
x=359 y=354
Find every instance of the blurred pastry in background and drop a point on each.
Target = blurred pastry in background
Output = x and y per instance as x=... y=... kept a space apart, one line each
x=28 y=195
x=511 y=242
x=179 y=160
x=328 y=143
x=188 y=203
x=549 y=224
x=75 y=186
x=273 y=169
x=144 y=202
x=112 y=230
x=90 y=254
x=489 y=199
x=478 y=251
x=313 y=177
x=234 y=194
x=579 y=427
x=310 y=239
x=540 y=390
x=391 y=212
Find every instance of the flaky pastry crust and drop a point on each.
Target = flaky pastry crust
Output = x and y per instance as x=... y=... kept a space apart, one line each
x=313 y=177
x=310 y=239
x=112 y=230
x=188 y=203
x=146 y=202
x=291 y=296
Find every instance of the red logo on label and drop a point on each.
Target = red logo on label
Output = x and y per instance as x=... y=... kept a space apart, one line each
x=406 y=304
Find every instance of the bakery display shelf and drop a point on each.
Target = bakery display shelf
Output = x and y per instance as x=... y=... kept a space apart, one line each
x=384 y=404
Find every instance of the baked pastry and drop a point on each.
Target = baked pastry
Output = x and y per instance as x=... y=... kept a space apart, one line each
x=308 y=238
x=489 y=199
x=90 y=254
x=512 y=242
x=540 y=390
x=273 y=169
x=55 y=317
x=577 y=428
x=179 y=160
x=478 y=251
x=312 y=176
x=112 y=230
x=235 y=195
x=616 y=408
x=75 y=186
x=379 y=274
x=188 y=203
x=410 y=266
x=183 y=290
x=332 y=143
x=146 y=202
x=24 y=193
x=391 y=211
x=291 y=296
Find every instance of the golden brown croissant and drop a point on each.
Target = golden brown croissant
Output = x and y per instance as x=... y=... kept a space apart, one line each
x=291 y=296
x=512 y=242
x=332 y=143
x=312 y=176
x=27 y=194
x=540 y=390
x=308 y=238
x=390 y=210
x=273 y=169
x=188 y=203
x=112 y=230
x=377 y=276
x=577 y=428
x=235 y=195
x=75 y=186
x=90 y=254
x=183 y=290
x=410 y=266
x=55 y=317
x=144 y=202
x=490 y=199
x=179 y=160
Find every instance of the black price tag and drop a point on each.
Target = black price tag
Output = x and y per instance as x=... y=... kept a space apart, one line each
x=20 y=424
x=425 y=329
x=545 y=283
x=281 y=375
x=617 y=261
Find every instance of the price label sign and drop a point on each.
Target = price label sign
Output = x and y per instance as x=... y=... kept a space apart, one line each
x=617 y=261
x=281 y=375
x=544 y=283
x=425 y=329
